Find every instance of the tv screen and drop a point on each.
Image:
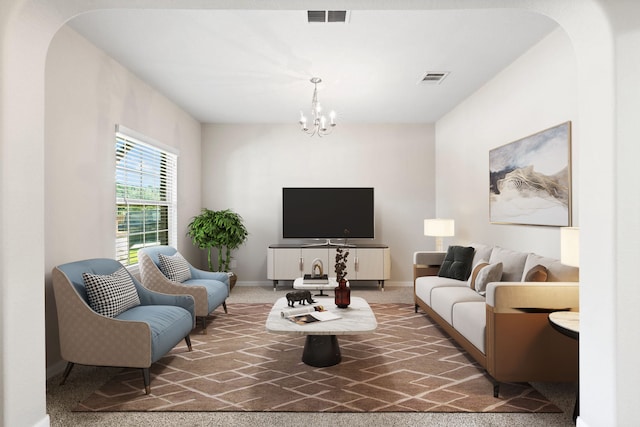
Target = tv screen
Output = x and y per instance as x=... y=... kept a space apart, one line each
x=325 y=213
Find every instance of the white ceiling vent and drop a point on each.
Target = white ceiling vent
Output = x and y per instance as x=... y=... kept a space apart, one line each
x=328 y=16
x=434 y=77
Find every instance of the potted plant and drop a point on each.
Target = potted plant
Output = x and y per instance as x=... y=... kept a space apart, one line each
x=223 y=230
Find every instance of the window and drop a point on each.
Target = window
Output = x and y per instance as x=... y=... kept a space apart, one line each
x=145 y=195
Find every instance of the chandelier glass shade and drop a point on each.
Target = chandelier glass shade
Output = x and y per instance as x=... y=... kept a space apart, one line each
x=320 y=124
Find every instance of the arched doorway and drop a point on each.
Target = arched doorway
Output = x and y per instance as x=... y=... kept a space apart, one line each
x=29 y=28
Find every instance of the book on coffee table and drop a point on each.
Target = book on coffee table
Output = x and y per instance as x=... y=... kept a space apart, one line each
x=309 y=279
x=304 y=315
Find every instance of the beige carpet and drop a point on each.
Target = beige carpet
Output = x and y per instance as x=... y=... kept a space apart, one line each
x=407 y=365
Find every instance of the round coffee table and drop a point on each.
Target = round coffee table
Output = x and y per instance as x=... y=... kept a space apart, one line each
x=321 y=348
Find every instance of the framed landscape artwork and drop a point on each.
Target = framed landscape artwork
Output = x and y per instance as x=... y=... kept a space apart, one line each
x=530 y=179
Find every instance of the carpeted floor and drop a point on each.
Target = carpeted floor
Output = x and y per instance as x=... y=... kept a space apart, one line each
x=84 y=380
x=408 y=364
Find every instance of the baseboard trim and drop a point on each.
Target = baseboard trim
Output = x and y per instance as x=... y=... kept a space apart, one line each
x=45 y=422
x=580 y=422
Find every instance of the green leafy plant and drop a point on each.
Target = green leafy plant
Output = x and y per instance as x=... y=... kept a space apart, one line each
x=223 y=230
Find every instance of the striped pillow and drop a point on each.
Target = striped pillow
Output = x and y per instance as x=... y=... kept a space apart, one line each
x=175 y=267
x=112 y=294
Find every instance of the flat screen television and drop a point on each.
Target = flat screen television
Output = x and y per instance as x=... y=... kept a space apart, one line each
x=325 y=213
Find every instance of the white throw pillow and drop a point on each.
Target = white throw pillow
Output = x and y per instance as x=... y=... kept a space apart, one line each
x=512 y=263
x=474 y=273
x=486 y=275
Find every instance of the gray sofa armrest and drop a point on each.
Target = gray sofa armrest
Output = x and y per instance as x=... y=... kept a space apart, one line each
x=514 y=297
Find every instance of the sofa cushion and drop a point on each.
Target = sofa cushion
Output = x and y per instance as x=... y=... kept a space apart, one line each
x=486 y=275
x=470 y=319
x=512 y=263
x=111 y=294
x=556 y=271
x=537 y=273
x=474 y=272
x=168 y=324
x=457 y=263
x=443 y=299
x=217 y=291
x=175 y=267
x=425 y=285
x=482 y=252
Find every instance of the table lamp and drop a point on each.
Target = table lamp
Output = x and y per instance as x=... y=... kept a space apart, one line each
x=439 y=228
x=570 y=246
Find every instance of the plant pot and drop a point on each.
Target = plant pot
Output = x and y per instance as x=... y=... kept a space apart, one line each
x=232 y=280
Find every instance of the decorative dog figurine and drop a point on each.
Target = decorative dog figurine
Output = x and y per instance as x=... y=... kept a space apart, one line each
x=300 y=296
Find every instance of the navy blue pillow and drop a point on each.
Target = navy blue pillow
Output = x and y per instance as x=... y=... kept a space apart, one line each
x=457 y=263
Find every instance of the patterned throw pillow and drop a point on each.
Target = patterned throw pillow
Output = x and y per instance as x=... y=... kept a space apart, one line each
x=112 y=294
x=175 y=267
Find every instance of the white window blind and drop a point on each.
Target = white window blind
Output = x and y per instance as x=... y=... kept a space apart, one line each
x=146 y=195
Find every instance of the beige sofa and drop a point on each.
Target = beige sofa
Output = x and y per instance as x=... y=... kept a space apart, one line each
x=505 y=328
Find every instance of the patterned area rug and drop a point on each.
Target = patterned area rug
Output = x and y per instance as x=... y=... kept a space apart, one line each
x=407 y=365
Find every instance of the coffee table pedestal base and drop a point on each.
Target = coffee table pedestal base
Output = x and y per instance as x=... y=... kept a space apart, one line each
x=321 y=351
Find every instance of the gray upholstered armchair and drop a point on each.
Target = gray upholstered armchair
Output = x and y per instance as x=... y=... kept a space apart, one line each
x=163 y=269
x=137 y=327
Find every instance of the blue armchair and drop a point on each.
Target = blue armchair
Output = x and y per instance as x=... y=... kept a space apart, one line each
x=136 y=338
x=209 y=289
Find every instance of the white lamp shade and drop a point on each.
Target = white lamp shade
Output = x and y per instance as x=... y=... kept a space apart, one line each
x=439 y=227
x=570 y=246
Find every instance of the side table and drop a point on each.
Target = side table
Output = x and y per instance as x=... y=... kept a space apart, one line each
x=568 y=323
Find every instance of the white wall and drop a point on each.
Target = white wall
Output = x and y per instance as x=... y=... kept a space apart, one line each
x=245 y=167
x=87 y=93
x=534 y=93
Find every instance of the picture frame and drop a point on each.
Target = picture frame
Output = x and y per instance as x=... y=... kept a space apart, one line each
x=530 y=179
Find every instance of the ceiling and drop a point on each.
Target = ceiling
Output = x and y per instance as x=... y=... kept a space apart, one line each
x=250 y=66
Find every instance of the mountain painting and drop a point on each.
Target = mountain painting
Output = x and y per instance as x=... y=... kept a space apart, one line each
x=530 y=179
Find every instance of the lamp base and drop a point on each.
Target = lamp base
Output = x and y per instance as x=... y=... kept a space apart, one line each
x=439 y=245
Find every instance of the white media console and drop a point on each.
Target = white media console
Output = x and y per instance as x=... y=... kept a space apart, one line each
x=365 y=261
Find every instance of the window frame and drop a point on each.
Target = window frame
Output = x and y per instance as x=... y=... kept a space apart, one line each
x=158 y=162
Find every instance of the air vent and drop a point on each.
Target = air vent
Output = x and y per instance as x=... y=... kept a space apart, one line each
x=316 y=16
x=325 y=16
x=434 y=77
x=337 y=16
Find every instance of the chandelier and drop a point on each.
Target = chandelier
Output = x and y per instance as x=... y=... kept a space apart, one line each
x=319 y=120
